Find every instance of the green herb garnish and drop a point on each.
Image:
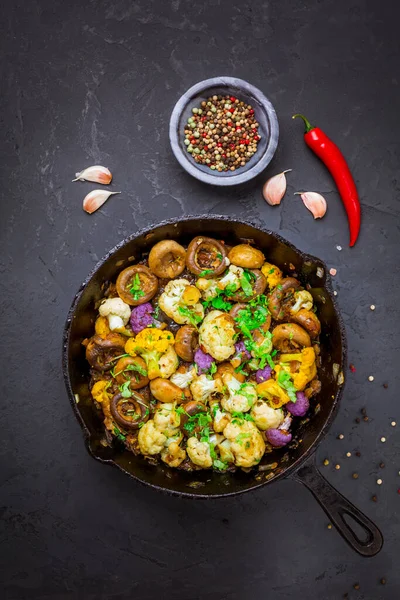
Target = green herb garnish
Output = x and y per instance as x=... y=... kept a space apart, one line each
x=135 y=288
x=206 y=272
x=137 y=368
x=230 y=289
x=246 y=286
x=241 y=437
x=125 y=389
x=285 y=381
x=219 y=256
x=118 y=434
x=220 y=304
x=271 y=271
x=239 y=418
x=193 y=317
x=218 y=464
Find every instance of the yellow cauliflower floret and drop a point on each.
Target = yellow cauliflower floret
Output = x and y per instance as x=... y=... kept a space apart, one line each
x=272 y=273
x=307 y=371
x=151 y=440
x=217 y=335
x=273 y=392
x=156 y=348
x=208 y=287
x=221 y=420
x=246 y=443
x=101 y=326
x=199 y=453
x=266 y=417
x=172 y=302
x=168 y=363
x=99 y=392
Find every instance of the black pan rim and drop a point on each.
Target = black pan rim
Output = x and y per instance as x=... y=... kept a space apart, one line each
x=327 y=284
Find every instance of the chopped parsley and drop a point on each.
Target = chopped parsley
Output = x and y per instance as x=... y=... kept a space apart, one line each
x=125 y=389
x=279 y=286
x=180 y=410
x=218 y=464
x=137 y=368
x=230 y=289
x=239 y=418
x=246 y=285
x=206 y=272
x=285 y=381
x=193 y=317
x=271 y=271
x=220 y=304
x=248 y=320
x=213 y=368
x=241 y=437
x=219 y=256
x=200 y=420
x=135 y=288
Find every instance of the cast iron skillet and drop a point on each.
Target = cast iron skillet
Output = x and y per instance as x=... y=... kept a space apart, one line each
x=297 y=461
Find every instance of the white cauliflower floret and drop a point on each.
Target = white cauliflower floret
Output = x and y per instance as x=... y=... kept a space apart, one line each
x=303 y=300
x=151 y=440
x=232 y=278
x=117 y=312
x=240 y=396
x=199 y=453
x=266 y=417
x=166 y=419
x=246 y=443
x=168 y=363
x=173 y=455
x=221 y=420
x=225 y=452
x=217 y=335
x=203 y=387
x=183 y=380
x=208 y=287
x=171 y=302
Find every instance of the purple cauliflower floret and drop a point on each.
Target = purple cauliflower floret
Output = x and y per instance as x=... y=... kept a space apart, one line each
x=241 y=349
x=278 y=437
x=203 y=361
x=300 y=407
x=263 y=374
x=141 y=317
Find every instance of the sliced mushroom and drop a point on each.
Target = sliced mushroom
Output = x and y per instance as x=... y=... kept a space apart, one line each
x=164 y=390
x=101 y=351
x=136 y=285
x=277 y=297
x=131 y=412
x=244 y=255
x=226 y=367
x=309 y=321
x=206 y=257
x=167 y=259
x=191 y=408
x=133 y=369
x=258 y=285
x=186 y=342
x=290 y=336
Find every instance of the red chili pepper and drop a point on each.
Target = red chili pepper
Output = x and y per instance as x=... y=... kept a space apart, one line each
x=334 y=160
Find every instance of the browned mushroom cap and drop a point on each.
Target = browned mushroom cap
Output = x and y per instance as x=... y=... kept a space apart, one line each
x=167 y=259
x=290 y=336
x=100 y=352
x=129 y=413
x=136 y=285
x=244 y=255
x=279 y=294
x=191 y=408
x=186 y=342
x=258 y=284
x=308 y=320
x=226 y=367
x=206 y=257
x=133 y=369
x=165 y=391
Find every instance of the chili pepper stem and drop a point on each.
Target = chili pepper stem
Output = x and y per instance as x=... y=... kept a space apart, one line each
x=307 y=123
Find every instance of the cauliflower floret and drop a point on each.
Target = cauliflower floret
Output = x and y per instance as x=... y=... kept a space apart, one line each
x=225 y=452
x=166 y=419
x=217 y=335
x=151 y=440
x=272 y=273
x=203 y=387
x=303 y=300
x=221 y=420
x=266 y=417
x=231 y=278
x=168 y=363
x=246 y=443
x=173 y=455
x=241 y=396
x=199 y=453
x=208 y=287
x=101 y=326
x=116 y=311
x=172 y=303
x=183 y=380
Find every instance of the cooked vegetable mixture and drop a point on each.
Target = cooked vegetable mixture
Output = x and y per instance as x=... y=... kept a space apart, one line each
x=202 y=356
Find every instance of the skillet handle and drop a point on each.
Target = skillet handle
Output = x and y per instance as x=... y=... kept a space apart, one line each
x=340 y=511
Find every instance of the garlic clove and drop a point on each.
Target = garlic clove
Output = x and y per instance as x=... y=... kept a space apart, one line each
x=315 y=203
x=97 y=173
x=95 y=199
x=274 y=189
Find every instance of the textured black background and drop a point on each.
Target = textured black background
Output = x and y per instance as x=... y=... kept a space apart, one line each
x=94 y=83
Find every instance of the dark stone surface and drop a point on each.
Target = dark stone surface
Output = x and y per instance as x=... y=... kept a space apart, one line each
x=94 y=82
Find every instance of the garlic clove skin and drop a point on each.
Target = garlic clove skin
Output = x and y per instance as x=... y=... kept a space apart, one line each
x=274 y=189
x=95 y=199
x=97 y=173
x=315 y=203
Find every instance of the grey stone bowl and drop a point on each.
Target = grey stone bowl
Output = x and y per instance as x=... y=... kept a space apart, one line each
x=264 y=113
